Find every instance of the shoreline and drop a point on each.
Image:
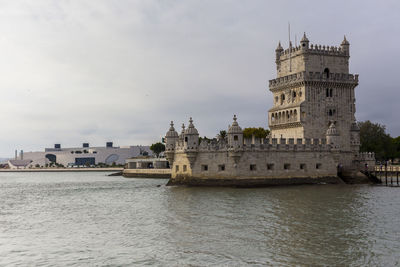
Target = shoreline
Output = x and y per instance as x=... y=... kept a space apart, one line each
x=65 y=170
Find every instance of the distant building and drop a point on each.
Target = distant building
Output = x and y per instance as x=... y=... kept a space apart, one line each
x=85 y=155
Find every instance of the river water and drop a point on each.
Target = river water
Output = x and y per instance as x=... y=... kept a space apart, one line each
x=90 y=219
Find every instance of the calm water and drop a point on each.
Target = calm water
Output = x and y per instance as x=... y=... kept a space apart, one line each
x=67 y=219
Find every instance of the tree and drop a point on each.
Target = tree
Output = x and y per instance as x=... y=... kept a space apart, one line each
x=257 y=132
x=396 y=145
x=222 y=134
x=157 y=148
x=373 y=138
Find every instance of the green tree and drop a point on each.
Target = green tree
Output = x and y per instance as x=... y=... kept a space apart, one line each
x=257 y=132
x=373 y=138
x=157 y=148
x=222 y=134
x=396 y=146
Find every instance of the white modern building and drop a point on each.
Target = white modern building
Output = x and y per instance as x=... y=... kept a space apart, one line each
x=85 y=155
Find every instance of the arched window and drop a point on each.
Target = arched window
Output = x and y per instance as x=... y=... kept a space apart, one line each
x=330 y=112
x=282 y=98
x=330 y=92
x=326 y=71
x=235 y=138
x=186 y=139
x=327 y=92
x=294 y=94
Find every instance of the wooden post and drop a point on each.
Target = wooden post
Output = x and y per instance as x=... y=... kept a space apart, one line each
x=397 y=177
x=386 y=175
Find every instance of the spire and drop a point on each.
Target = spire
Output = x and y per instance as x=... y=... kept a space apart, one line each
x=345 y=42
x=172 y=126
x=279 y=48
x=304 y=39
x=234 y=121
x=171 y=133
x=183 y=128
x=191 y=123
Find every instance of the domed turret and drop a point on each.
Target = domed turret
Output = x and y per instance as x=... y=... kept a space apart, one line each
x=191 y=136
x=191 y=129
x=170 y=142
x=304 y=42
x=171 y=133
x=279 y=48
x=355 y=137
x=332 y=136
x=345 y=45
x=235 y=135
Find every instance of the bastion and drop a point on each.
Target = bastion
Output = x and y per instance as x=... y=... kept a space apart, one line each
x=314 y=137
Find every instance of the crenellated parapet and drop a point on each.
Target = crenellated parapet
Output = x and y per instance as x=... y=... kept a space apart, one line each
x=302 y=78
x=367 y=156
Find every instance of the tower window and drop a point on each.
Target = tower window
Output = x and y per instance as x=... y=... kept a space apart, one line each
x=253 y=167
x=294 y=94
x=286 y=166
x=282 y=98
x=235 y=138
x=221 y=167
x=327 y=92
x=326 y=71
x=330 y=92
x=186 y=139
x=204 y=167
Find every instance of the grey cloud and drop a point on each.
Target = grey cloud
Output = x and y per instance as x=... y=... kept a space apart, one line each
x=75 y=71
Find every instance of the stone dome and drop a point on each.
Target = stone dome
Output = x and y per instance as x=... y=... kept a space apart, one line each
x=332 y=130
x=171 y=133
x=235 y=128
x=191 y=129
x=304 y=39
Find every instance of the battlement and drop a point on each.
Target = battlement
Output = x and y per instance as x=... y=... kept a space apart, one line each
x=313 y=76
x=313 y=49
x=366 y=156
x=260 y=144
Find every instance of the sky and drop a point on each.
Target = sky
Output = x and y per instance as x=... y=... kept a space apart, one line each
x=96 y=71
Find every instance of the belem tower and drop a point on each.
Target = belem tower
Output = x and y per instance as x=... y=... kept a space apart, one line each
x=313 y=129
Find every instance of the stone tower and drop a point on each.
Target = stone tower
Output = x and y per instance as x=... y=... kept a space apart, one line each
x=313 y=88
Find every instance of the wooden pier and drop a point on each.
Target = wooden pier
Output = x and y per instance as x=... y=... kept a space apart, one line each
x=385 y=175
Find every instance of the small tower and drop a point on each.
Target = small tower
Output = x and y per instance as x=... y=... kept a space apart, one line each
x=304 y=42
x=191 y=137
x=355 y=138
x=235 y=135
x=332 y=137
x=345 y=45
x=278 y=52
x=171 y=137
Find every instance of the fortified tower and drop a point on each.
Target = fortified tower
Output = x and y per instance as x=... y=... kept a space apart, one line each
x=313 y=89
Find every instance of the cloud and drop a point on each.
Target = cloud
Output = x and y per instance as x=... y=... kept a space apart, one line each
x=95 y=71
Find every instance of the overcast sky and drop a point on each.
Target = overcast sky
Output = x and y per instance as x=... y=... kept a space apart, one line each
x=97 y=70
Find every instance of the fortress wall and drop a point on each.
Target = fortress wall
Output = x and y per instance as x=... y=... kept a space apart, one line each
x=256 y=164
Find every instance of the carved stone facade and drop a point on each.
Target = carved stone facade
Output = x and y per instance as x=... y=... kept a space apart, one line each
x=312 y=122
x=313 y=88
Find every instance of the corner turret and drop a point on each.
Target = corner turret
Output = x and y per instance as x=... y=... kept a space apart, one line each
x=171 y=137
x=355 y=137
x=235 y=135
x=191 y=137
x=304 y=42
x=332 y=137
x=345 y=46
